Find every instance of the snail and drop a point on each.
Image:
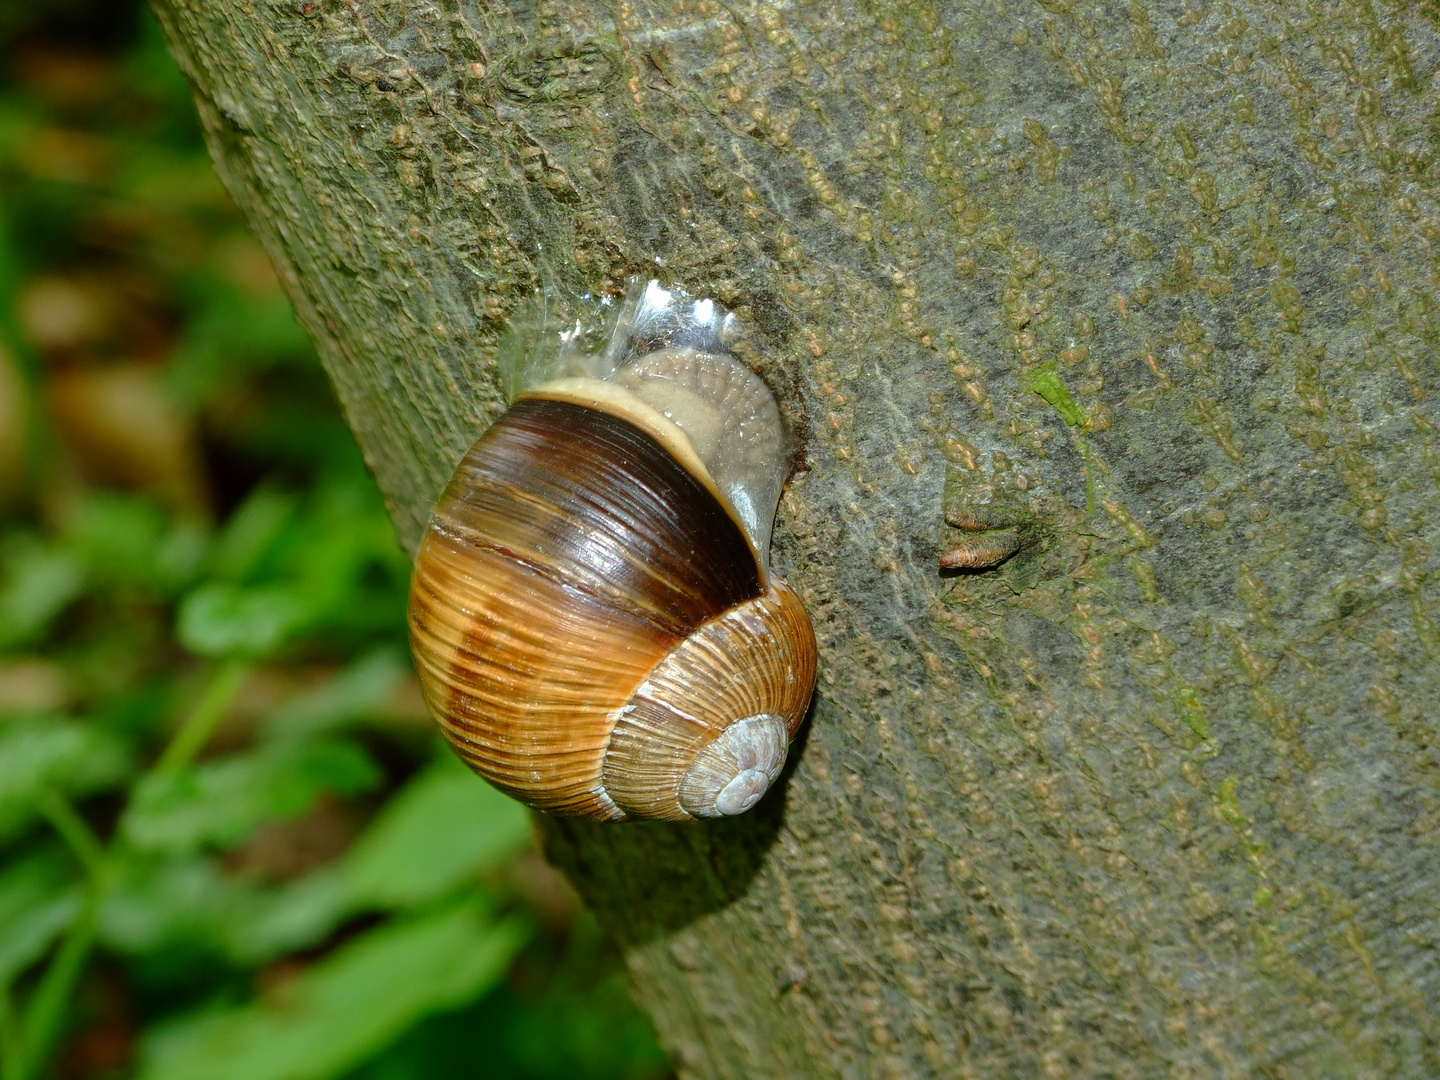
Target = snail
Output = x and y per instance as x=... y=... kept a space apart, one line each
x=992 y=537
x=592 y=613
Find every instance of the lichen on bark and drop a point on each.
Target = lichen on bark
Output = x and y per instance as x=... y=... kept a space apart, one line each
x=1158 y=796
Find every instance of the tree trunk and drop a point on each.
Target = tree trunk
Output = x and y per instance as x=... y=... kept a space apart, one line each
x=1159 y=796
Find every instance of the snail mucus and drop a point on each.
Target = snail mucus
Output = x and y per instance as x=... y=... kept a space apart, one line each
x=592 y=613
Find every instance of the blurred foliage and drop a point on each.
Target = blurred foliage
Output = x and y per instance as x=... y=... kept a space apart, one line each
x=230 y=843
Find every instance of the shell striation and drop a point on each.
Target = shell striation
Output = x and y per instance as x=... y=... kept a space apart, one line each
x=593 y=620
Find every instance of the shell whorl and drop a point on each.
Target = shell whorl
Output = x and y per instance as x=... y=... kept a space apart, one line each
x=731 y=774
x=593 y=626
x=754 y=660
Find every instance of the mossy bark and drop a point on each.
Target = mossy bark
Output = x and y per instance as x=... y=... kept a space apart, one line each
x=1158 y=797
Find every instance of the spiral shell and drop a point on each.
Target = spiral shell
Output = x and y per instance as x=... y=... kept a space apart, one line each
x=592 y=615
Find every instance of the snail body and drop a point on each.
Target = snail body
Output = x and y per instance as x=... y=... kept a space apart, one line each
x=592 y=614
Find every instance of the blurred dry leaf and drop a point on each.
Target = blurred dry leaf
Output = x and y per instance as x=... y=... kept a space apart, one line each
x=406 y=705
x=69 y=156
x=64 y=313
x=32 y=684
x=115 y=310
x=14 y=422
x=243 y=262
x=65 y=79
x=544 y=889
x=107 y=1042
x=292 y=701
x=284 y=850
x=125 y=431
x=267 y=688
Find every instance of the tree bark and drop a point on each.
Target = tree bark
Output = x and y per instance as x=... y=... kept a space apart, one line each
x=1159 y=796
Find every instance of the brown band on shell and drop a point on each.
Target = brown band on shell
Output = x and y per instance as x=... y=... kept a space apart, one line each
x=524 y=675
x=592 y=500
x=730 y=418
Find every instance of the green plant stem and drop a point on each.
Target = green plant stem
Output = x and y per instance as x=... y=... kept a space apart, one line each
x=204 y=718
x=66 y=821
x=47 y=1007
x=28 y=1048
x=9 y=1037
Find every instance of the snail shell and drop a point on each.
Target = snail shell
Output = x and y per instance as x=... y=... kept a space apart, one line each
x=592 y=614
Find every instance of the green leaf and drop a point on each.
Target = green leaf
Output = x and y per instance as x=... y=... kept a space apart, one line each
x=38 y=899
x=40 y=582
x=152 y=904
x=260 y=926
x=344 y=554
x=222 y=802
x=440 y=831
x=446 y=825
x=44 y=753
x=353 y=694
x=224 y=620
x=232 y=335
x=346 y=1007
x=126 y=540
x=252 y=533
